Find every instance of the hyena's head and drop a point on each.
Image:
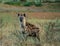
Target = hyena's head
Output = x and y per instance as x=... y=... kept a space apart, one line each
x=22 y=16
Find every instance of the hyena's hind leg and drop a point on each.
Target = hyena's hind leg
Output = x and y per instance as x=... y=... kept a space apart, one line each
x=37 y=33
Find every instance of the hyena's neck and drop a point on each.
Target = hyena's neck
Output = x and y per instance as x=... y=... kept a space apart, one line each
x=24 y=21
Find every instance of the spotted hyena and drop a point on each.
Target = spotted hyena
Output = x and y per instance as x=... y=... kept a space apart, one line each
x=29 y=29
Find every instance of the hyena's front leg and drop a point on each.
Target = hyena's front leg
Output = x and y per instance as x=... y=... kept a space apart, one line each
x=26 y=36
x=37 y=35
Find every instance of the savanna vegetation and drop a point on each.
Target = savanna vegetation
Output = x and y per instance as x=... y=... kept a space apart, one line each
x=46 y=17
x=28 y=2
x=10 y=34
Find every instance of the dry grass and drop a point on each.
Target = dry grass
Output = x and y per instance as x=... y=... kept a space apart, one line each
x=10 y=28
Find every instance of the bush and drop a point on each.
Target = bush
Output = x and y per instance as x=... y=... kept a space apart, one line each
x=38 y=4
x=7 y=3
x=0 y=1
x=24 y=3
x=28 y=4
x=13 y=3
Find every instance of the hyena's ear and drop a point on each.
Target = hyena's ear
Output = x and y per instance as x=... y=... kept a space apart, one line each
x=18 y=14
x=24 y=15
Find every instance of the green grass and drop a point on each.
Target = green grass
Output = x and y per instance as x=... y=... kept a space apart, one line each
x=11 y=31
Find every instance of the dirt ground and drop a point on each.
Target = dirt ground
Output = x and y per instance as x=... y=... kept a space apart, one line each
x=38 y=15
x=44 y=15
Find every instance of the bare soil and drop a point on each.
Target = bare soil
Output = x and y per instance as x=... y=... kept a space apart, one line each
x=44 y=15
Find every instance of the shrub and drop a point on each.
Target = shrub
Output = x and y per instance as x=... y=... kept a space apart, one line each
x=0 y=1
x=13 y=3
x=27 y=3
x=38 y=4
x=8 y=3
